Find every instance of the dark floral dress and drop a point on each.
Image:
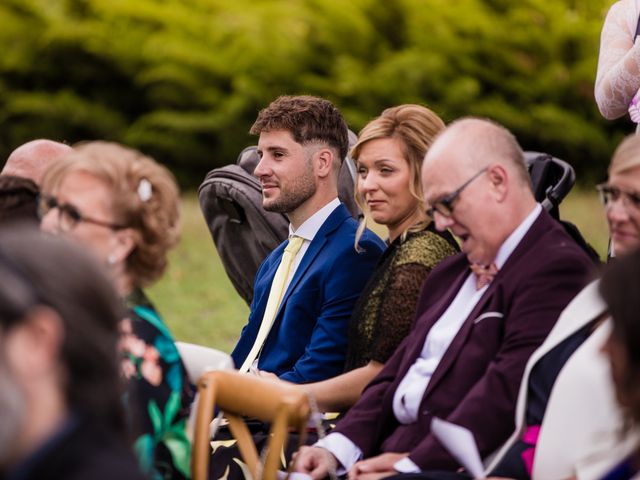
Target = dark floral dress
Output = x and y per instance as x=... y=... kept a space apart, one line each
x=383 y=315
x=158 y=394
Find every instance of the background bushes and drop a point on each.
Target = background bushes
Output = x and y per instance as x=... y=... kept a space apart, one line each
x=183 y=80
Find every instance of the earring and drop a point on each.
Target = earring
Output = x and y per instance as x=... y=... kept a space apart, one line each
x=111 y=259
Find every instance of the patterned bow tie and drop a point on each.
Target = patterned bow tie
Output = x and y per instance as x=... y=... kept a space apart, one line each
x=484 y=274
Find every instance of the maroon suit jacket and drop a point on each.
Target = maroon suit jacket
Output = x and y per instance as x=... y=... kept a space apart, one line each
x=476 y=383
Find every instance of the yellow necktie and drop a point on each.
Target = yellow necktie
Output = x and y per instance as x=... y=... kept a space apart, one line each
x=275 y=296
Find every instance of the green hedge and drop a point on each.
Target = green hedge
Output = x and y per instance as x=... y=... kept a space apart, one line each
x=183 y=80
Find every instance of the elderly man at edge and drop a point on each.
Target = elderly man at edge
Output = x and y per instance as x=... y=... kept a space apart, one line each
x=31 y=159
x=21 y=175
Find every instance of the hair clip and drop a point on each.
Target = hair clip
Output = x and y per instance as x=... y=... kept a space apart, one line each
x=144 y=190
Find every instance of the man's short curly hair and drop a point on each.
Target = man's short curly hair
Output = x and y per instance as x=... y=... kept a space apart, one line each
x=308 y=118
x=155 y=220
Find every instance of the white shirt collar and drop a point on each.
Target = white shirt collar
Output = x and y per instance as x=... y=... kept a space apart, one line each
x=311 y=225
x=512 y=241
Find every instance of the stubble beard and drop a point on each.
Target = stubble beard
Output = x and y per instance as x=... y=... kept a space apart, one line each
x=292 y=197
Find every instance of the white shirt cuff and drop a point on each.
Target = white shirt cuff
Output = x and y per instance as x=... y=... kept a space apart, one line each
x=406 y=465
x=345 y=451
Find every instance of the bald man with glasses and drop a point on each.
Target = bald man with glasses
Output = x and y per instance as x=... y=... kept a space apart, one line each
x=480 y=315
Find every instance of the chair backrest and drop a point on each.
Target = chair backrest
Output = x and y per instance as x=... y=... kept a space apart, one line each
x=551 y=178
x=237 y=395
x=242 y=231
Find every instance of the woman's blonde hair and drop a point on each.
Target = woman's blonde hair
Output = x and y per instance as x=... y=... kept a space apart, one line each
x=145 y=198
x=627 y=155
x=416 y=127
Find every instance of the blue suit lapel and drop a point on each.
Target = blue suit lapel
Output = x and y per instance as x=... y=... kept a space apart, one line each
x=315 y=247
x=264 y=280
x=270 y=273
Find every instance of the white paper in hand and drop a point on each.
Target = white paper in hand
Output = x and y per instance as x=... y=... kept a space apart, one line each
x=280 y=475
x=460 y=443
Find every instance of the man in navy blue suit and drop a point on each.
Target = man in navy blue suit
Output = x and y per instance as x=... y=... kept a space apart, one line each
x=302 y=142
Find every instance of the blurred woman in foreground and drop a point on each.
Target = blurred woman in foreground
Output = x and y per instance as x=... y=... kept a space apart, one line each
x=61 y=413
x=124 y=207
x=619 y=289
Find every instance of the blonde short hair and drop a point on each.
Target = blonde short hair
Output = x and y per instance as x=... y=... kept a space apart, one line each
x=627 y=156
x=416 y=127
x=153 y=214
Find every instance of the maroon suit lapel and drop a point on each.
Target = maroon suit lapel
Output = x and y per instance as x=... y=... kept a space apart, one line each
x=459 y=340
x=531 y=237
x=433 y=314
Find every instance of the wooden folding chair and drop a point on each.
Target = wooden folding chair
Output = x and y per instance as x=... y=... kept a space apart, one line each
x=238 y=394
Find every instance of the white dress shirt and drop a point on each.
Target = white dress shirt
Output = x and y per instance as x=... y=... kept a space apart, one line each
x=408 y=395
x=308 y=231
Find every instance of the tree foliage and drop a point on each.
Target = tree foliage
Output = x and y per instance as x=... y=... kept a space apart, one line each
x=183 y=80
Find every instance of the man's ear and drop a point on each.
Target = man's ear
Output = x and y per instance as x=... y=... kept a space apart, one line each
x=41 y=334
x=324 y=162
x=125 y=242
x=499 y=181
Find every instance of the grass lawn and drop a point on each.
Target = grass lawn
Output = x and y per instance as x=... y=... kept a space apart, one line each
x=200 y=305
x=583 y=208
x=195 y=297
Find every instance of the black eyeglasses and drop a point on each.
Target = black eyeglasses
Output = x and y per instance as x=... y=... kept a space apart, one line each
x=68 y=215
x=609 y=193
x=444 y=206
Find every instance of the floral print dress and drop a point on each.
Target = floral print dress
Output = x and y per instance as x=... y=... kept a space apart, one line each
x=158 y=395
